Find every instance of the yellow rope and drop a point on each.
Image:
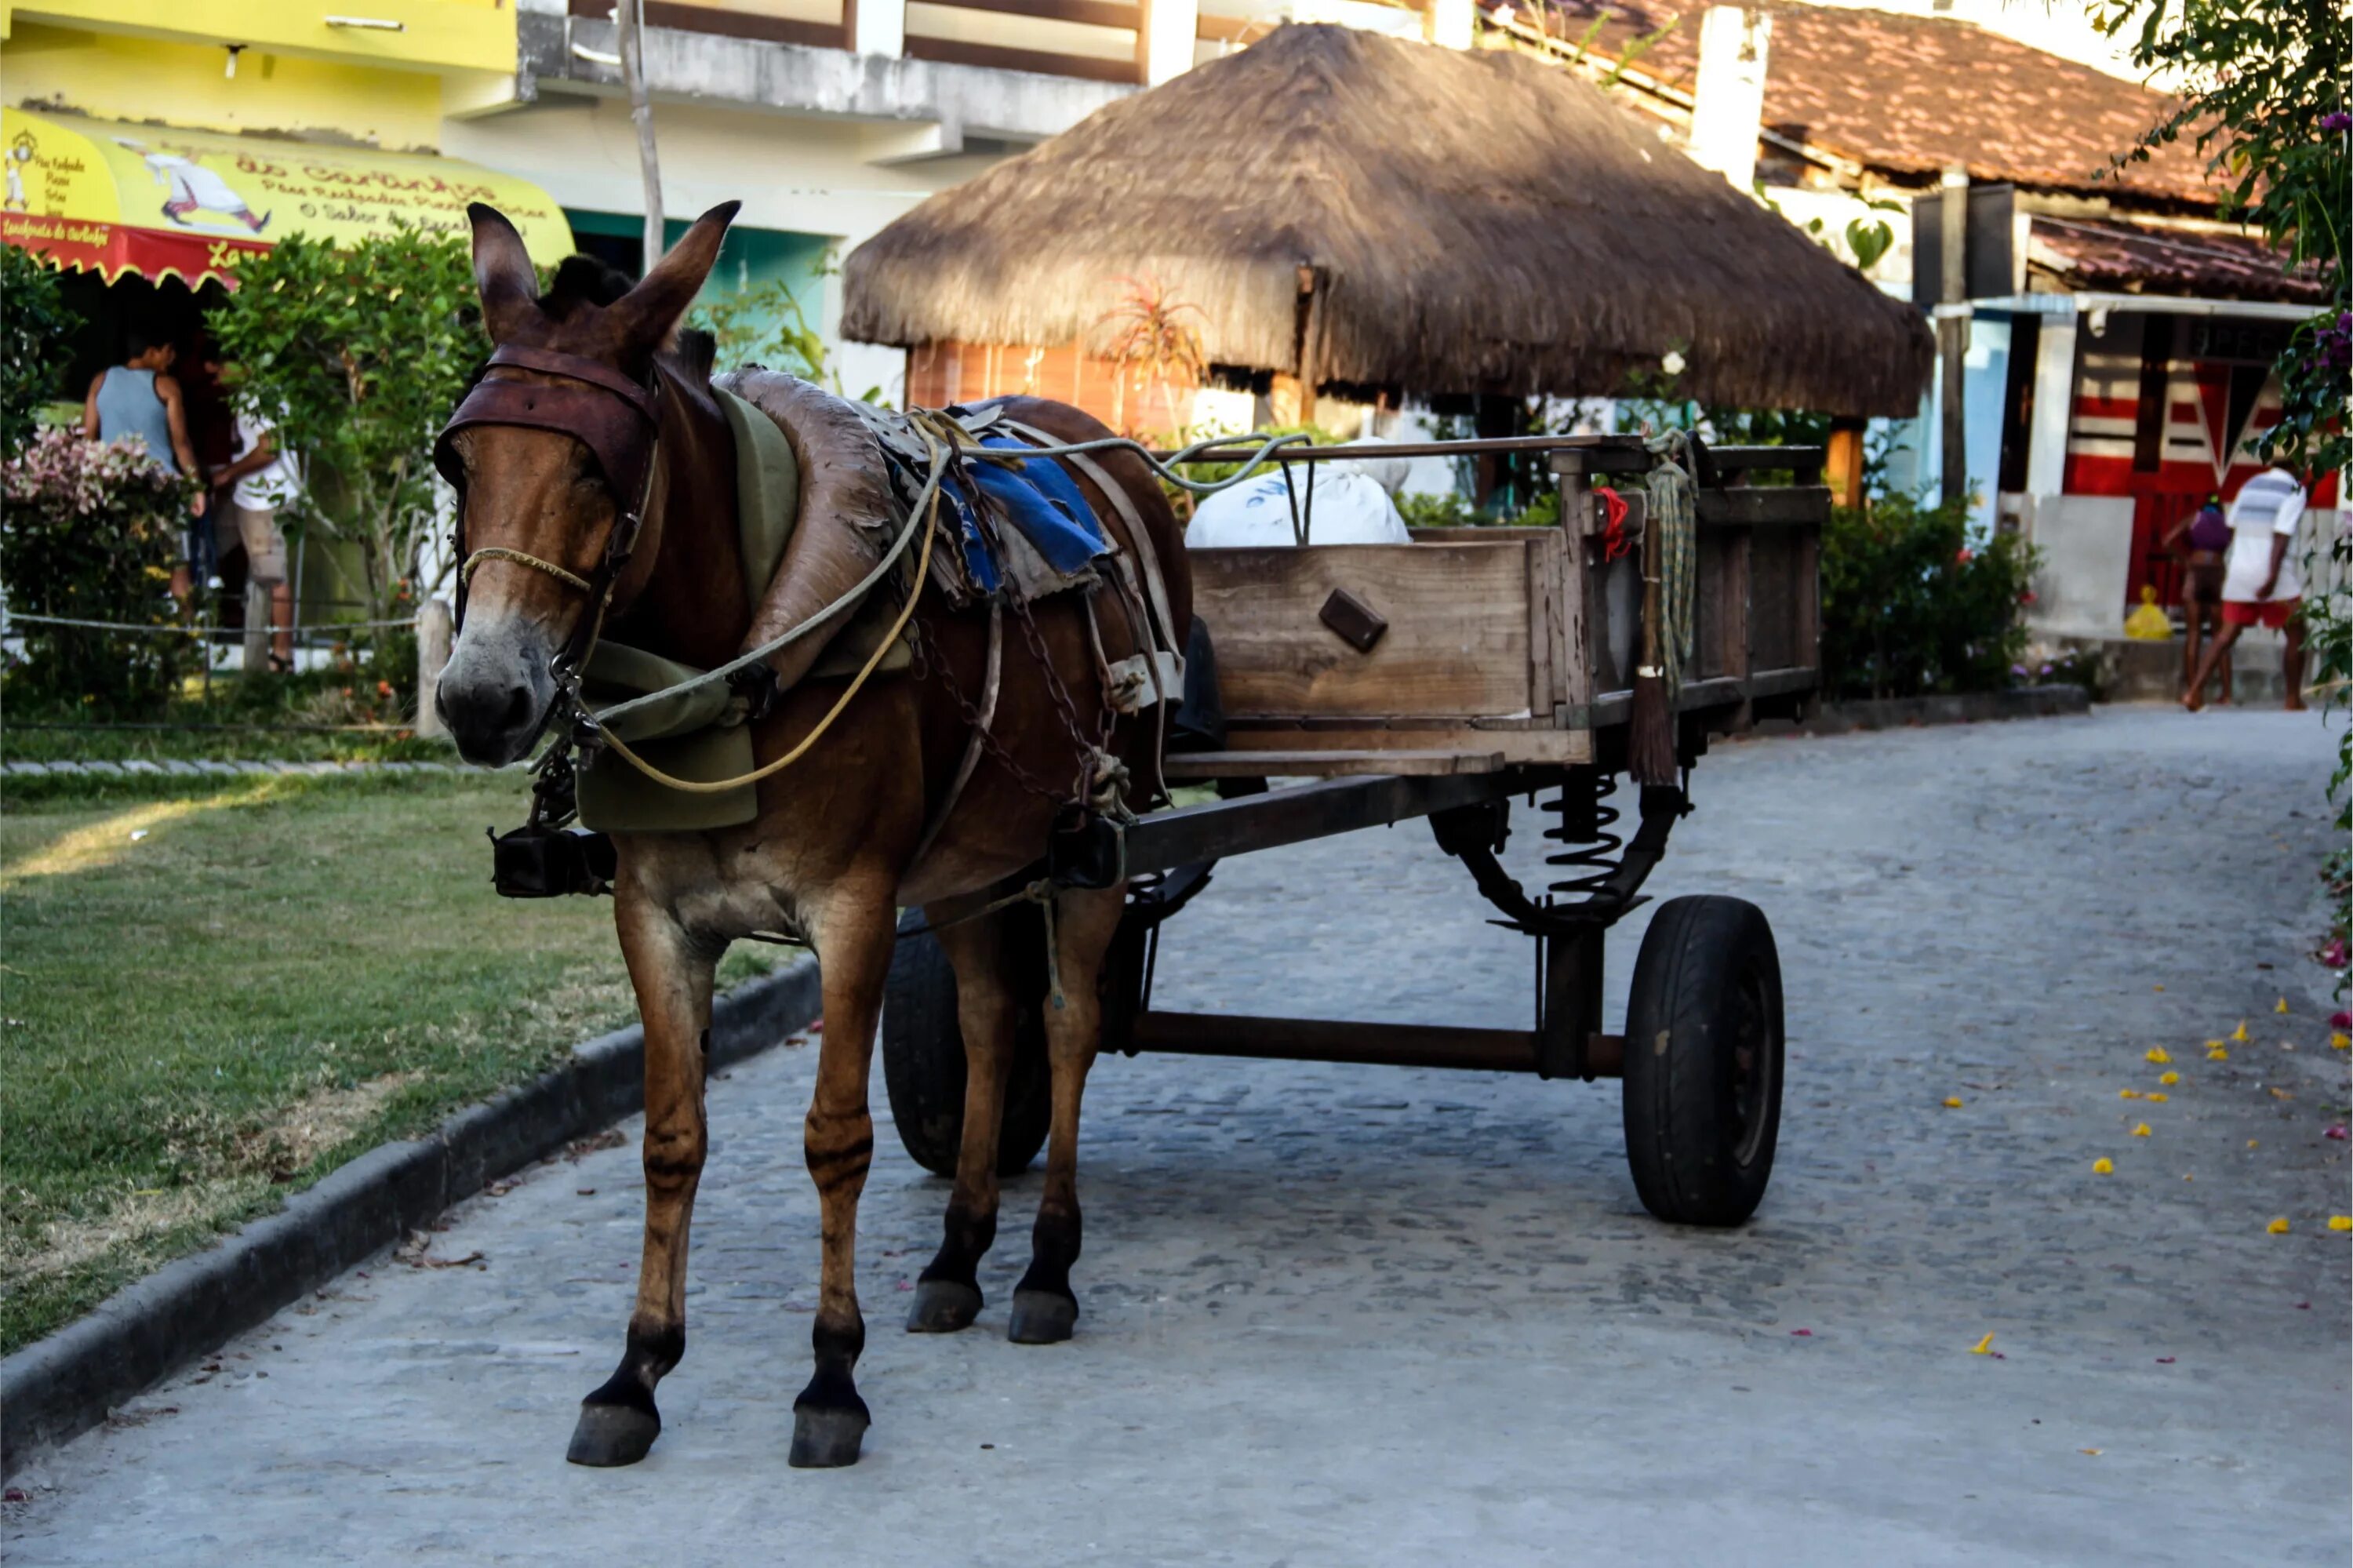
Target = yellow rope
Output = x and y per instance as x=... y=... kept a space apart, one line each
x=693 y=787
x=500 y=553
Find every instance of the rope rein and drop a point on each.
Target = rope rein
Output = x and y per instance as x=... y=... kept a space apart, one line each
x=522 y=558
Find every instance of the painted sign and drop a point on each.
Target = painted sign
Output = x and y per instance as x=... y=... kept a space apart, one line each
x=113 y=198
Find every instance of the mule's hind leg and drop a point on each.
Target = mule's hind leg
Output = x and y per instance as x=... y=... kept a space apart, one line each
x=671 y=974
x=853 y=941
x=947 y=1297
x=1044 y=1307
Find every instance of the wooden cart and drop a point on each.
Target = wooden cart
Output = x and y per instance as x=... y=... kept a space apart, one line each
x=1443 y=679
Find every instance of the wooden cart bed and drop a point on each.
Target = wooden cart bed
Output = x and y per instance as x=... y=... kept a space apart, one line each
x=1491 y=647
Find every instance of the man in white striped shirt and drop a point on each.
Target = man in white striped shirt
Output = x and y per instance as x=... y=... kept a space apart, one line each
x=2260 y=584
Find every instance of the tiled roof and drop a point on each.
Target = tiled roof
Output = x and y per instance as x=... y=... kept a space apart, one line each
x=1911 y=95
x=2103 y=254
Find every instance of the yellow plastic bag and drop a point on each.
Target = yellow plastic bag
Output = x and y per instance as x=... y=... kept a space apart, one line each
x=2150 y=623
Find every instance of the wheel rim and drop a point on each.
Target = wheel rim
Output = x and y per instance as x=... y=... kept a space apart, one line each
x=1753 y=1064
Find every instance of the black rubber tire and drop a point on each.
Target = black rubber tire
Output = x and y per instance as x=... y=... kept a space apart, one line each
x=922 y=1062
x=1704 y=1061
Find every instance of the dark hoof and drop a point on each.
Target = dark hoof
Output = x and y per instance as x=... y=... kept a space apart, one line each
x=1041 y=1318
x=613 y=1435
x=941 y=1306
x=826 y=1439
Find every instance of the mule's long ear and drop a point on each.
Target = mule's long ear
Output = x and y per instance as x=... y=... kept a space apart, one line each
x=502 y=271
x=655 y=307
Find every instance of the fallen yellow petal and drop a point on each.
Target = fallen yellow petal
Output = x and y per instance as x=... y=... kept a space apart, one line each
x=2254 y=1143
x=1983 y=1347
x=2103 y=1166
x=2214 y=1044
x=2094 y=1453
x=2160 y=988
x=2159 y=1053
x=2127 y=1094
x=2277 y=1227
x=2186 y=1176
x=2240 y=1033
x=2279 y=1094
x=2341 y=1222
x=2282 y=1006
x=2218 y=1054
x=2340 y=1041
x=2159 y=1097
x=2140 y=1130
x=2169 y=1079
x=1952 y=1102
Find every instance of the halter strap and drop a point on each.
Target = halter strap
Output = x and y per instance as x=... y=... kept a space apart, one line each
x=579 y=368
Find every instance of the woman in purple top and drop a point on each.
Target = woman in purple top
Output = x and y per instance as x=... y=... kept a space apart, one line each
x=2200 y=539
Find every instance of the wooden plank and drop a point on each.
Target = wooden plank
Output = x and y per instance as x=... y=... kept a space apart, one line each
x=1093 y=13
x=950 y=51
x=729 y=23
x=1541 y=554
x=1579 y=587
x=1733 y=459
x=1216 y=829
x=1229 y=29
x=1330 y=1040
x=1457 y=644
x=1313 y=763
x=1774 y=505
x=1547 y=745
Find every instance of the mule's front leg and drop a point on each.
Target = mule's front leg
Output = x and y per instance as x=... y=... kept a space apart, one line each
x=1045 y=1308
x=853 y=942
x=672 y=974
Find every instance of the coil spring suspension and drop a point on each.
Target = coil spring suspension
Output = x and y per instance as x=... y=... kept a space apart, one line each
x=1586 y=818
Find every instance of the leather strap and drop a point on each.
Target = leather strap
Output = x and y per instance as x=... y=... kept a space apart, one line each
x=978 y=738
x=579 y=368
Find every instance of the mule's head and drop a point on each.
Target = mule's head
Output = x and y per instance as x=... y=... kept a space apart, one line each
x=539 y=500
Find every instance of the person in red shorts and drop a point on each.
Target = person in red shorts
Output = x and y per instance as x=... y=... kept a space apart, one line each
x=2260 y=584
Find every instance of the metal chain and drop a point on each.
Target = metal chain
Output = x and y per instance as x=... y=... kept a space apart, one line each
x=923 y=668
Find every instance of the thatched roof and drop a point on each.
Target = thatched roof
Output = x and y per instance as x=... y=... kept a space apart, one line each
x=1358 y=210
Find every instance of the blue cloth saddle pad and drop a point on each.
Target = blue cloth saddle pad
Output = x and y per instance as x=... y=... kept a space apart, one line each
x=1040 y=498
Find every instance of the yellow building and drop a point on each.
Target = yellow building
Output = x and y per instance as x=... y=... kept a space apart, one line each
x=165 y=140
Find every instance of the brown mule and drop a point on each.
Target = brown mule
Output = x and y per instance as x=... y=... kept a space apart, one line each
x=833 y=851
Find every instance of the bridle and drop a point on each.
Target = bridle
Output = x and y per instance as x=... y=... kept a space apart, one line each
x=616 y=418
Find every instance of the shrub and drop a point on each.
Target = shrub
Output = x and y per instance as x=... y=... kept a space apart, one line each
x=91 y=533
x=34 y=327
x=362 y=353
x=1913 y=604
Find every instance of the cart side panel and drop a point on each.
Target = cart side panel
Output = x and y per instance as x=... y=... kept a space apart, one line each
x=1458 y=644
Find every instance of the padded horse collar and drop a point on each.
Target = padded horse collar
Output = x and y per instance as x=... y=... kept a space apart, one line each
x=616 y=418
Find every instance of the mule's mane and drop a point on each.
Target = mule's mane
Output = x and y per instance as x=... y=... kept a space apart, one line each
x=584 y=282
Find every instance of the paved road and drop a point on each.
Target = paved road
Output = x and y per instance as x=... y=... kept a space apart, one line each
x=1347 y=1316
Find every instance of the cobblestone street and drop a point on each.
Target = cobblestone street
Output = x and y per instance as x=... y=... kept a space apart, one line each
x=1349 y=1316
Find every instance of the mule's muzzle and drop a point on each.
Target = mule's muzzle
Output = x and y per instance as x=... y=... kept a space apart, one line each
x=495 y=693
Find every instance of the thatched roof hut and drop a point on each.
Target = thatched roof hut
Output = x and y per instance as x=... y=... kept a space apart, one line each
x=1363 y=212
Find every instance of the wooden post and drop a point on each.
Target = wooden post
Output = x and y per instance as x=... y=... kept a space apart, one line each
x=1286 y=401
x=435 y=631
x=629 y=21
x=1845 y=462
x=1953 y=331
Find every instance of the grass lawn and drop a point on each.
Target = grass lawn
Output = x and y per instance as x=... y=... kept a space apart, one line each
x=213 y=992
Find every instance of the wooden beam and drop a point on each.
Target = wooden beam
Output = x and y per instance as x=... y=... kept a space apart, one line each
x=1327 y=764
x=727 y=24
x=1092 y=13
x=1844 y=462
x=1039 y=62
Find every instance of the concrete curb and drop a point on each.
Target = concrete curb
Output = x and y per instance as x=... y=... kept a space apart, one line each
x=61 y=1386
x=1974 y=707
